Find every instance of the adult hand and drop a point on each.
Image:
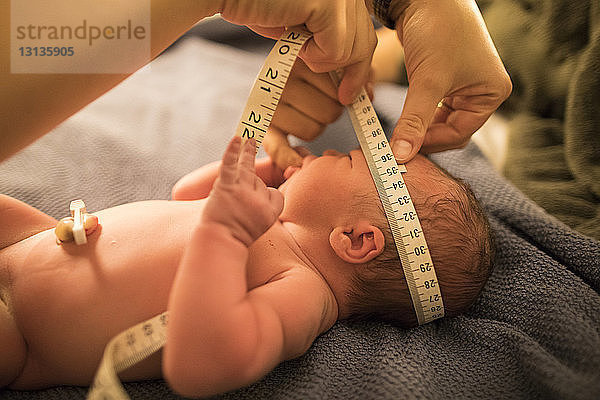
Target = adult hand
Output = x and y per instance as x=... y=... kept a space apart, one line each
x=456 y=78
x=307 y=105
x=343 y=34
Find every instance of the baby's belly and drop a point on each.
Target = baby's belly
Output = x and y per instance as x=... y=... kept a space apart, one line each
x=69 y=300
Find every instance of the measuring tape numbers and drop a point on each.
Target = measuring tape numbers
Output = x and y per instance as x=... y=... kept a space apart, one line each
x=142 y=340
x=125 y=350
x=266 y=92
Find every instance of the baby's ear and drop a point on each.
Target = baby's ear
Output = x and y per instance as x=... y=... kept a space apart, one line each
x=357 y=243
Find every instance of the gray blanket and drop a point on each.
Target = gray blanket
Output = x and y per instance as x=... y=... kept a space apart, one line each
x=533 y=334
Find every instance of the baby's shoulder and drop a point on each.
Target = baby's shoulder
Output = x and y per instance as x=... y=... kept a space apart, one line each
x=305 y=305
x=270 y=259
x=305 y=294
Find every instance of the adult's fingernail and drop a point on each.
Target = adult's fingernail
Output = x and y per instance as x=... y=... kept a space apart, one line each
x=402 y=149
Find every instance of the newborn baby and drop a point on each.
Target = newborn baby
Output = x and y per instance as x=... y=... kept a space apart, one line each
x=250 y=275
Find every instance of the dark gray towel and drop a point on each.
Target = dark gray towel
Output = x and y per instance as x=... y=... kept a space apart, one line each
x=533 y=334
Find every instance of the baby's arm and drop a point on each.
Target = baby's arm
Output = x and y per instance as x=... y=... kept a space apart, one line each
x=19 y=221
x=222 y=336
x=198 y=184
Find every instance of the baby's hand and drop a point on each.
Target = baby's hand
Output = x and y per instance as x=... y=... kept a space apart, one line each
x=239 y=199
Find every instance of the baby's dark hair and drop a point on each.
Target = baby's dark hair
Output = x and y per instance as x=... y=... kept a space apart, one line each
x=461 y=246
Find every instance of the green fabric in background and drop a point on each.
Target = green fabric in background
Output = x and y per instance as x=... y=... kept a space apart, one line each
x=551 y=49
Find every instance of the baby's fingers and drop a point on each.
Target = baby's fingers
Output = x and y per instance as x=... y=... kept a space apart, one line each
x=246 y=172
x=227 y=172
x=276 y=200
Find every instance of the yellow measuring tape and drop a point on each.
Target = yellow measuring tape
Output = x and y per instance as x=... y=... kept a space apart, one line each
x=142 y=340
x=399 y=209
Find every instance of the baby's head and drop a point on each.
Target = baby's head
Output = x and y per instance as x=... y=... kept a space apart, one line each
x=334 y=199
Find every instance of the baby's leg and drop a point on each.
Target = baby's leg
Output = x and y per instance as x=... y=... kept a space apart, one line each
x=12 y=347
x=19 y=221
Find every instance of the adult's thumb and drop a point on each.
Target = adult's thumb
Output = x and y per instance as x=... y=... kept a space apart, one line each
x=409 y=133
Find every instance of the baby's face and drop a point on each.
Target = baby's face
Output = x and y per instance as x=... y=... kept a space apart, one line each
x=323 y=186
